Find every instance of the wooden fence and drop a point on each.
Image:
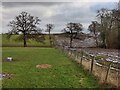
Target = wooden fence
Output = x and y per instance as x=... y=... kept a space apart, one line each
x=105 y=73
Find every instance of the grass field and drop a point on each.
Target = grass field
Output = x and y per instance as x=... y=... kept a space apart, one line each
x=64 y=73
x=13 y=43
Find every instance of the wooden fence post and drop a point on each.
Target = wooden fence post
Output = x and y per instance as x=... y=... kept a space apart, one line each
x=107 y=73
x=77 y=54
x=92 y=62
x=118 y=79
x=81 y=57
x=63 y=49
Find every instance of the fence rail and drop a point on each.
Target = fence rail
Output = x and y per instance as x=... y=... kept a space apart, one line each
x=106 y=69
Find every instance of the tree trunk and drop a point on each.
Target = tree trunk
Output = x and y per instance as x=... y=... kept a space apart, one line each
x=25 y=44
x=50 y=39
x=105 y=29
x=96 y=39
x=71 y=39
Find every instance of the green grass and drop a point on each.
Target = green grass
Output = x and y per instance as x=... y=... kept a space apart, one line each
x=64 y=72
x=13 y=43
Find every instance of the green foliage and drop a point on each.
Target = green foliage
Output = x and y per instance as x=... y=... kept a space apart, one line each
x=17 y=41
x=36 y=37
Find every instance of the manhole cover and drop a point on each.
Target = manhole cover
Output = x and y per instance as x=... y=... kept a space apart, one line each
x=43 y=66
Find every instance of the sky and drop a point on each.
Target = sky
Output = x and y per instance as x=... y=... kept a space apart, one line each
x=57 y=13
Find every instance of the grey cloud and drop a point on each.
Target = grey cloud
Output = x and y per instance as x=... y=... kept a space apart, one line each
x=50 y=12
x=22 y=4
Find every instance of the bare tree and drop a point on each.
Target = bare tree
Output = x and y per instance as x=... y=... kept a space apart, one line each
x=72 y=29
x=26 y=24
x=105 y=21
x=109 y=26
x=94 y=28
x=49 y=29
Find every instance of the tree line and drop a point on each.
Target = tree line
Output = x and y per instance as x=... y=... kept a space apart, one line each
x=27 y=25
x=106 y=29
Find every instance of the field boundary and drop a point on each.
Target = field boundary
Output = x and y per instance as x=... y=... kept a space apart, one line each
x=106 y=74
x=29 y=46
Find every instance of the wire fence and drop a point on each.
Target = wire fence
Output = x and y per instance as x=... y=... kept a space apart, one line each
x=104 y=66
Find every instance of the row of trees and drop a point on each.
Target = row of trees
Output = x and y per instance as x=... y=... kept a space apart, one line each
x=107 y=29
x=27 y=25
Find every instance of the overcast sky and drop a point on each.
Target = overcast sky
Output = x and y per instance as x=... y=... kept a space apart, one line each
x=57 y=13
